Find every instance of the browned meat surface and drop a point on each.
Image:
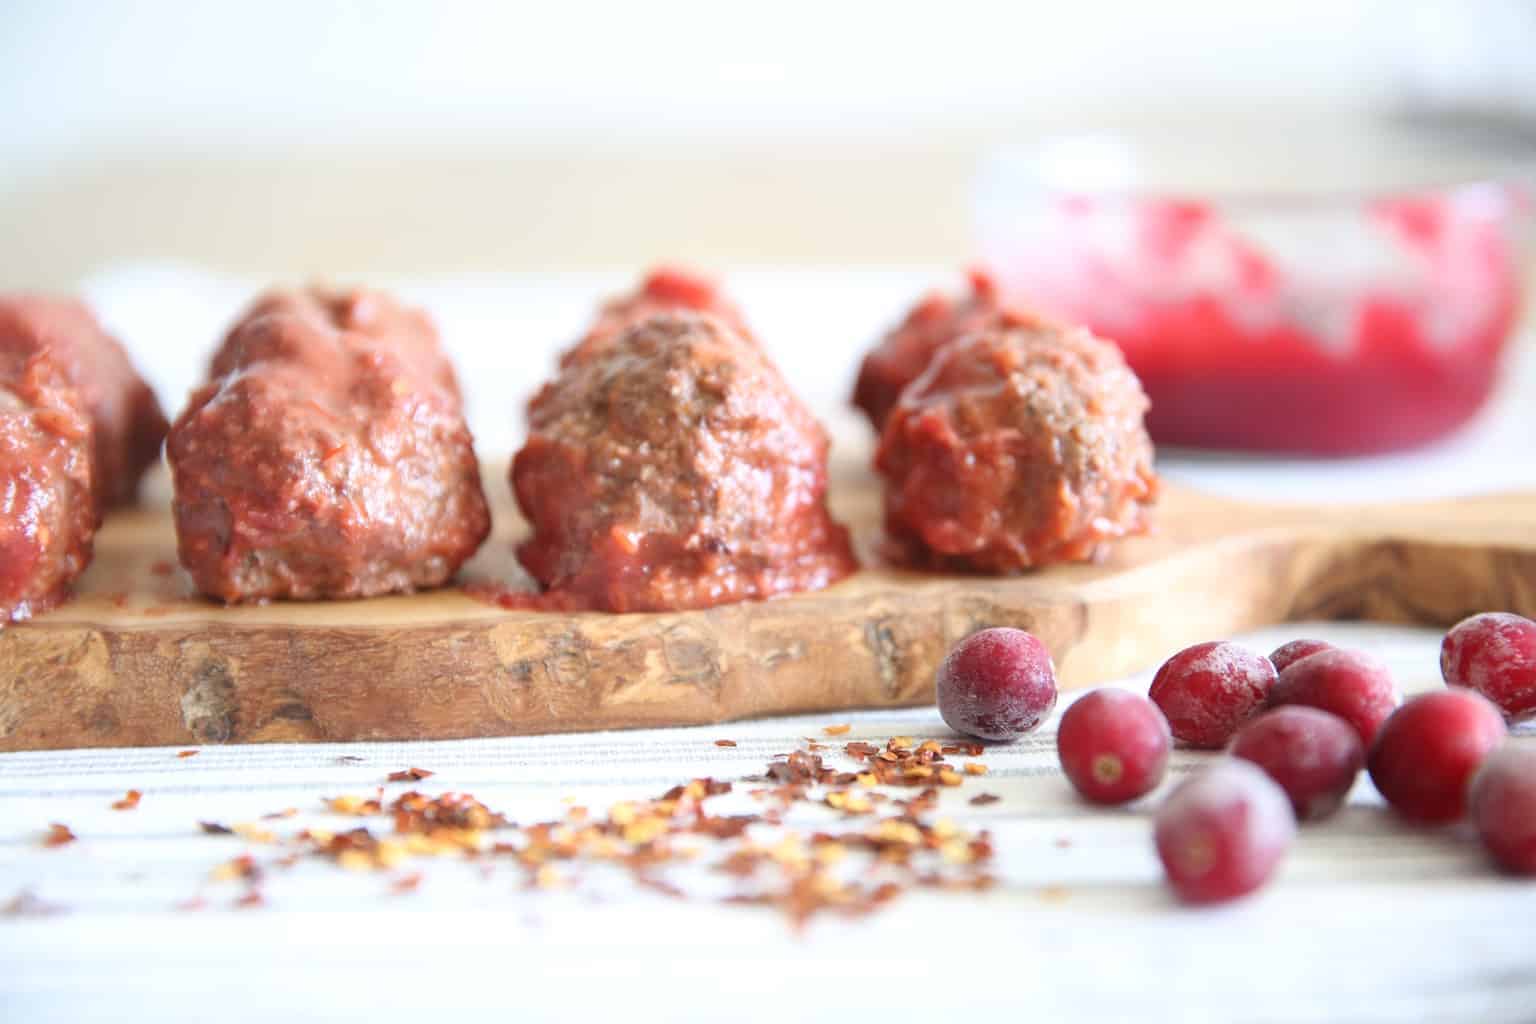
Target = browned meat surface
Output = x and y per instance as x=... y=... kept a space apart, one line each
x=940 y=318
x=328 y=455
x=664 y=290
x=1018 y=447
x=674 y=469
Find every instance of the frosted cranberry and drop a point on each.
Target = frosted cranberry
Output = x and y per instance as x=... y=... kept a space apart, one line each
x=1503 y=807
x=997 y=684
x=1494 y=654
x=1208 y=690
x=1429 y=750
x=1287 y=654
x=1351 y=684
x=1222 y=833
x=1313 y=755
x=1113 y=745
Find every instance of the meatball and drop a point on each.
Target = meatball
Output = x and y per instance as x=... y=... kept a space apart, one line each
x=664 y=290
x=933 y=323
x=328 y=455
x=674 y=469
x=126 y=419
x=1018 y=447
x=47 y=505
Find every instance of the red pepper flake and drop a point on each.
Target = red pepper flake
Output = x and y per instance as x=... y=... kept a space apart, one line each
x=411 y=775
x=58 y=835
x=251 y=899
x=837 y=730
x=982 y=799
x=1063 y=843
x=213 y=828
x=129 y=801
x=26 y=903
x=406 y=883
x=162 y=568
x=187 y=753
x=725 y=743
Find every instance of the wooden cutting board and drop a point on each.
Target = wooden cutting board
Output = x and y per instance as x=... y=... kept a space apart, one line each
x=136 y=660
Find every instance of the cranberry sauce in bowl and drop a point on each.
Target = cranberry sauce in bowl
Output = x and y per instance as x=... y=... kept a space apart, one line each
x=1336 y=299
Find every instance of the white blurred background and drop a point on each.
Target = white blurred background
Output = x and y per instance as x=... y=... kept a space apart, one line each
x=412 y=137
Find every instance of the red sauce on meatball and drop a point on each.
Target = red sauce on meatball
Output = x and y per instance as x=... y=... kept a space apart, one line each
x=674 y=469
x=328 y=457
x=1019 y=446
x=934 y=322
x=127 y=422
x=47 y=504
x=664 y=290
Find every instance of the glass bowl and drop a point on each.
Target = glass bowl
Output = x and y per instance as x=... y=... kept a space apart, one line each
x=1344 y=304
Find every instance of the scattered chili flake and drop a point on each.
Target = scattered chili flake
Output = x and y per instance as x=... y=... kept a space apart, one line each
x=355 y=806
x=213 y=828
x=58 y=835
x=895 y=843
x=187 y=753
x=250 y=899
x=982 y=799
x=243 y=866
x=1063 y=843
x=406 y=883
x=837 y=730
x=411 y=775
x=725 y=743
x=162 y=568
x=26 y=903
x=129 y=801
x=254 y=833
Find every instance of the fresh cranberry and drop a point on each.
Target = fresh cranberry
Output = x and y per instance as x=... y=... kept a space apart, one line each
x=1113 y=745
x=1287 y=654
x=1351 y=684
x=1503 y=807
x=1313 y=755
x=1494 y=654
x=1208 y=690
x=1222 y=833
x=1429 y=750
x=997 y=684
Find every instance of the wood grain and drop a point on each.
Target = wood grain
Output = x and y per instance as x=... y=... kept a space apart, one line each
x=136 y=660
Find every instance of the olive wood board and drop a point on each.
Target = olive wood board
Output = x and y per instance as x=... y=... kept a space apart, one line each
x=137 y=660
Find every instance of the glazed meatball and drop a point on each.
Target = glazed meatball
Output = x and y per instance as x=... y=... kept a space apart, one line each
x=664 y=290
x=674 y=469
x=934 y=322
x=47 y=505
x=1018 y=447
x=328 y=455
x=126 y=420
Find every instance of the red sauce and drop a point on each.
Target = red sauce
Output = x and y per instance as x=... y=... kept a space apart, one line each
x=47 y=504
x=1239 y=346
